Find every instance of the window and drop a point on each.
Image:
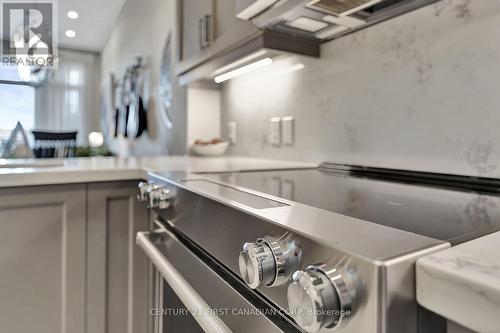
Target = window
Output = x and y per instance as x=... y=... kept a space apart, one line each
x=66 y=101
x=17 y=103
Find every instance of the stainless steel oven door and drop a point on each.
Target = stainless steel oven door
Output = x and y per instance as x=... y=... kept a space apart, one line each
x=194 y=293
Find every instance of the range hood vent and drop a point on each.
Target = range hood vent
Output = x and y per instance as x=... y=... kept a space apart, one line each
x=326 y=19
x=341 y=7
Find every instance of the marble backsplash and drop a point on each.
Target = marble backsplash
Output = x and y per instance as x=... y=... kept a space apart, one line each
x=421 y=92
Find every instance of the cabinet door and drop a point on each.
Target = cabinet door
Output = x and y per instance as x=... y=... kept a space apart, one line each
x=193 y=12
x=42 y=259
x=230 y=30
x=227 y=31
x=225 y=18
x=117 y=273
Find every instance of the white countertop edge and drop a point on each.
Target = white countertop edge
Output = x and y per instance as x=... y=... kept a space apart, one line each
x=69 y=177
x=101 y=169
x=463 y=283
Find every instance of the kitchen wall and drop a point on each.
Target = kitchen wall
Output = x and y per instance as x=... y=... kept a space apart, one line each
x=418 y=92
x=203 y=116
x=141 y=30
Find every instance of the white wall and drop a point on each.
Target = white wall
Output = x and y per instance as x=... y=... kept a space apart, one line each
x=203 y=105
x=420 y=92
x=141 y=30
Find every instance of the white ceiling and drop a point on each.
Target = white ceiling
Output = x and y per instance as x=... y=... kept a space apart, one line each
x=93 y=25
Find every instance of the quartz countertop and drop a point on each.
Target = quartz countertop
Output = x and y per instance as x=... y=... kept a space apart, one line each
x=96 y=169
x=462 y=283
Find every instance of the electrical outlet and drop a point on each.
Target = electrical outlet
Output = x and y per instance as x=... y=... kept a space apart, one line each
x=275 y=131
x=288 y=130
x=232 y=132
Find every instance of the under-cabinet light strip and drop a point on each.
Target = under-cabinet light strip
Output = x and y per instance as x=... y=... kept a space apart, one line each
x=242 y=61
x=243 y=70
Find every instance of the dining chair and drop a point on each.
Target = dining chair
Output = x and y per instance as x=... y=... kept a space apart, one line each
x=54 y=144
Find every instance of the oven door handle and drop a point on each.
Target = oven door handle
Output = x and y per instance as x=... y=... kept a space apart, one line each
x=188 y=296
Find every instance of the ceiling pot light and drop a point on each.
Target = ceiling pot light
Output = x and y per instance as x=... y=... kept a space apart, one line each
x=70 y=33
x=73 y=15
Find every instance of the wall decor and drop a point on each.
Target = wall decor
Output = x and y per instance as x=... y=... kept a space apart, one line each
x=136 y=119
x=108 y=106
x=165 y=93
x=128 y=114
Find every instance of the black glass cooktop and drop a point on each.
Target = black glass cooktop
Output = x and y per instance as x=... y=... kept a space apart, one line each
x=448 y=208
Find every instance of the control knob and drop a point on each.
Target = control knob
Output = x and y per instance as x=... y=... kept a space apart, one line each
x=319 y=298
x=268 y=262
x=159 y=197
x=144 y=189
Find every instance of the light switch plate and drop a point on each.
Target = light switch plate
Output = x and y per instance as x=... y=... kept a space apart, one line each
x=275 y=131
x=288 y=130
x=232 y=132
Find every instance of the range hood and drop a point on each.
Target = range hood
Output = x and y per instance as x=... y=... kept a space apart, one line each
x=322 y=19
x=267 y=45
x=294 y=26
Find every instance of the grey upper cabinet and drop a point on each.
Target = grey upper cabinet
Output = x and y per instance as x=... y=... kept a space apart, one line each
x=42 y=259
x=208 y=28
x=197 y=26
x=225 y=18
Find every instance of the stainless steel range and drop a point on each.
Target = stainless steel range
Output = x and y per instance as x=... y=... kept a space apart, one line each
x=314 y=250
